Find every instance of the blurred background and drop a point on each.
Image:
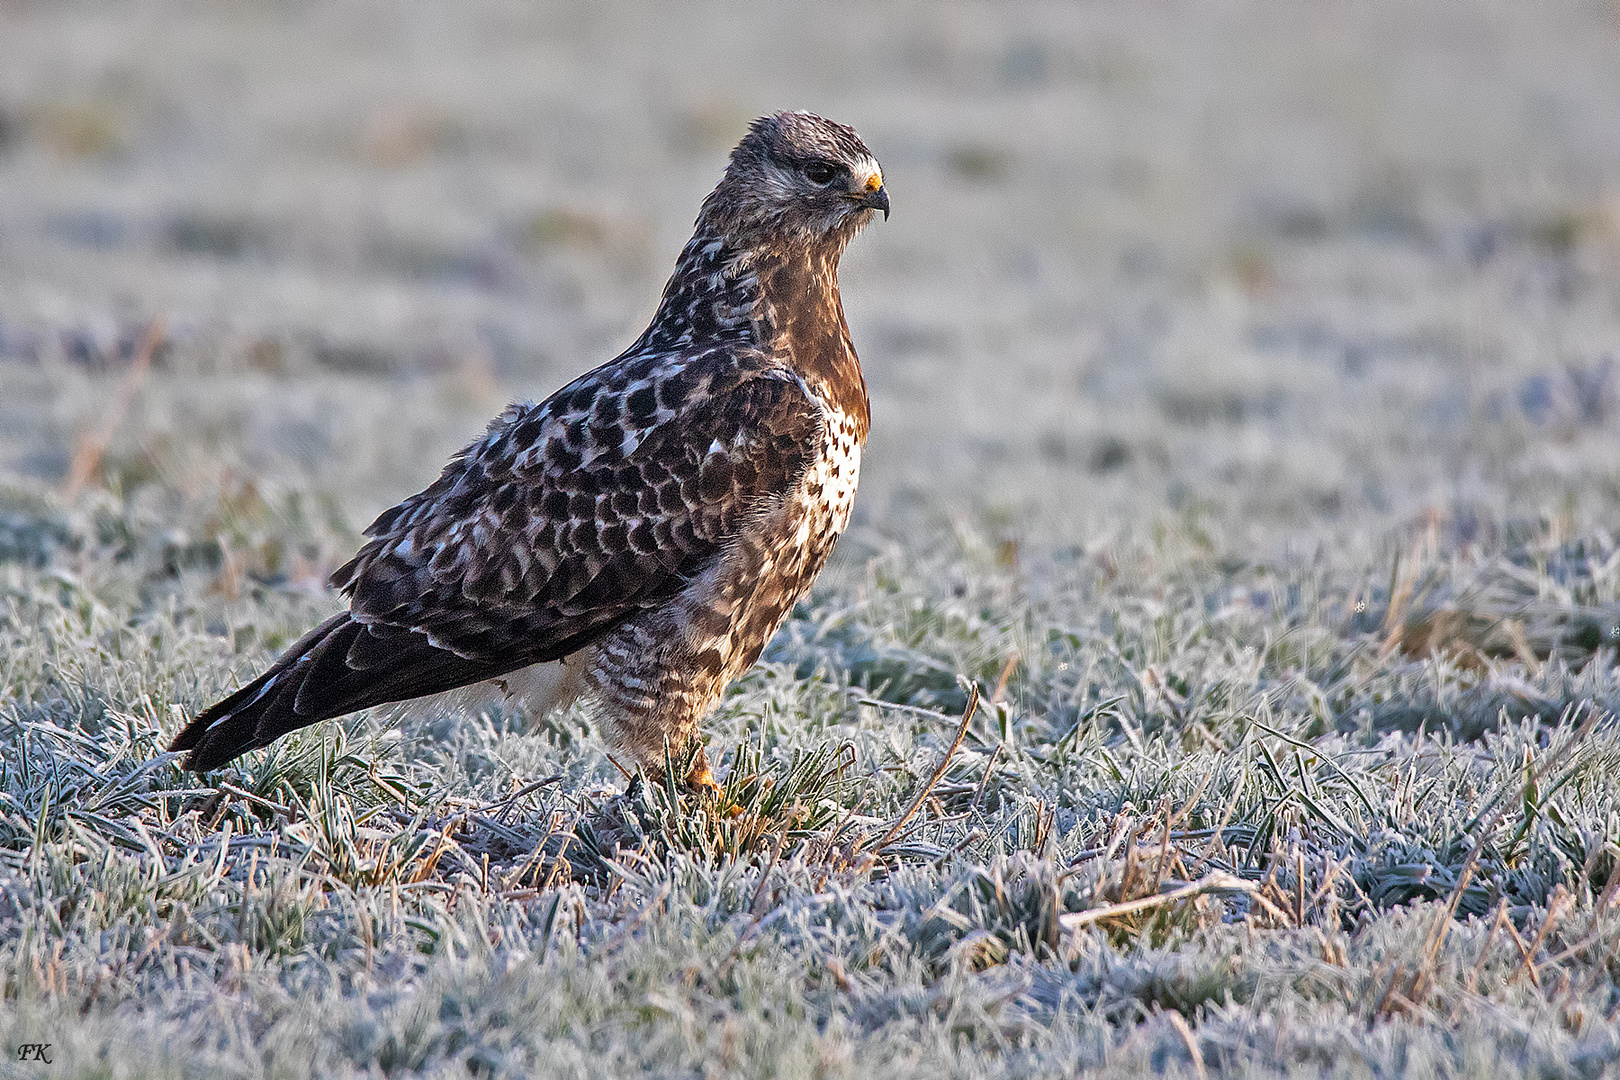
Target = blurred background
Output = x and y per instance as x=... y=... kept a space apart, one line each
x=1286 y=270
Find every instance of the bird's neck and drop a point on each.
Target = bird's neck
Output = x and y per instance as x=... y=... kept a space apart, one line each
x=783 y=301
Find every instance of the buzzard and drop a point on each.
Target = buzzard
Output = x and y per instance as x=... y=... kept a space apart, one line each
x=638 y=536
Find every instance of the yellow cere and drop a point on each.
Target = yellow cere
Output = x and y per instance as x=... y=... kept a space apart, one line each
x=874 y=181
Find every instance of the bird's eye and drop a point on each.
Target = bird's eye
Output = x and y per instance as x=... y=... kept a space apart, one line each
x=819 y=172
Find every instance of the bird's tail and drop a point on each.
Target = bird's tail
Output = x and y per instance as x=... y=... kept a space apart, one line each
x=341 y=666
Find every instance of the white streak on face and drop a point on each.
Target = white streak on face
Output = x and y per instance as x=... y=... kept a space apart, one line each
x=864 y=172
x=779 y=184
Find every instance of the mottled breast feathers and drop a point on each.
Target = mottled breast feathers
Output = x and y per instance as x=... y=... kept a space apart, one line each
x=569 y=516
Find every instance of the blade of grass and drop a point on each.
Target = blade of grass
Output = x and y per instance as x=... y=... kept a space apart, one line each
x=939 y=771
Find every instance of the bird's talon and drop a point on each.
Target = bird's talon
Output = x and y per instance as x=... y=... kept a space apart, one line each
x=700 y=780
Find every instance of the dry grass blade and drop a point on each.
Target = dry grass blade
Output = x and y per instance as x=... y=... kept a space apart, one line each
x=978 y=792
x=939 y=771
x=1219 y=881
x=1561 y=899
x=1419 y=983
x=1609 y=888
x=87 y=453
x=1007 y=669
x=1179 y=1022
x=1485 y=949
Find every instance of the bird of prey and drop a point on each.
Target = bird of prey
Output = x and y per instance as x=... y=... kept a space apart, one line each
x=641 y=533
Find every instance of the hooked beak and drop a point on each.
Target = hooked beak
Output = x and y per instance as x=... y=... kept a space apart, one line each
x=879 y=200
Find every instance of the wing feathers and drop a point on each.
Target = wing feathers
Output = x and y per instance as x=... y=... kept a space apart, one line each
x=547 y=526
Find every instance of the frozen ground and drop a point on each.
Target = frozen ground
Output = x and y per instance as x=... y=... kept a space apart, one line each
x=1249 y=370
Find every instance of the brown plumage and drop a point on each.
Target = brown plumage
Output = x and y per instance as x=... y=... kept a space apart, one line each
x=651 y=523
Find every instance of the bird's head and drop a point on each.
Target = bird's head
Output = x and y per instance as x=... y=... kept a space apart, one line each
x=797 y=178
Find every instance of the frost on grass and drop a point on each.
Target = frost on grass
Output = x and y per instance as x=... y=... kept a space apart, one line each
x=1324 y=819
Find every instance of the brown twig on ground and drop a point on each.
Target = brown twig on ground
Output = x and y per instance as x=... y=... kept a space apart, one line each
x=939 y=771
x=1219 y=881
x=88 y=451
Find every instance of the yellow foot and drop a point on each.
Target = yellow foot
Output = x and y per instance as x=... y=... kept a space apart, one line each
x=700 y=778
x=700 y=781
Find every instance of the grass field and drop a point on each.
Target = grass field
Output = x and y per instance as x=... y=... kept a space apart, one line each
x=1219 y=677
